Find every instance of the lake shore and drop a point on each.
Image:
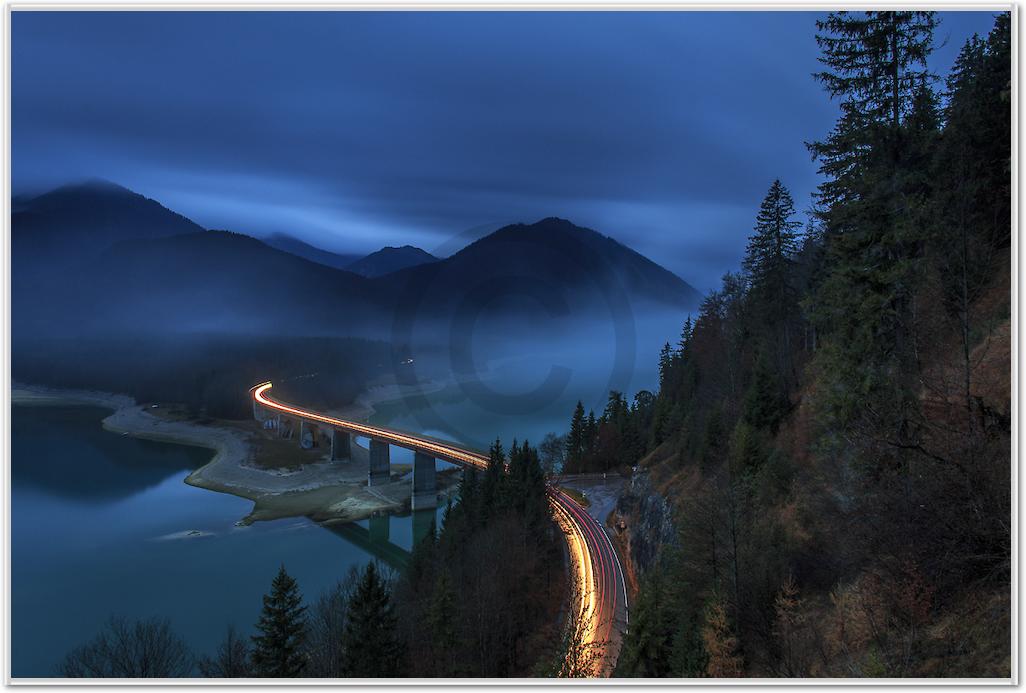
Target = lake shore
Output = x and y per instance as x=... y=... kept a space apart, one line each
x=320 y=489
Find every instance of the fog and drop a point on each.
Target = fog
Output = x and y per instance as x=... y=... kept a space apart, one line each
x=522 y=379
x=499 y=375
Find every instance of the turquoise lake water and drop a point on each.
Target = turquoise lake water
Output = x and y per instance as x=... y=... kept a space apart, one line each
x=96 y=525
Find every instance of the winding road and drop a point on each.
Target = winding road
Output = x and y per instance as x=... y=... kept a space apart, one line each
x=599 y=589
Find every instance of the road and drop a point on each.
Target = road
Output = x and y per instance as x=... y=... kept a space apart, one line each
x=598 y=586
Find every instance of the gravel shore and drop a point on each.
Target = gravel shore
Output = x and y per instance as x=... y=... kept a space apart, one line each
x=322 y=490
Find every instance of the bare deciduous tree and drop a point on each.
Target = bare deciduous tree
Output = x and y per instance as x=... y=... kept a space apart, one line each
x=130 y=649
x=231 y=660
x=327 y=622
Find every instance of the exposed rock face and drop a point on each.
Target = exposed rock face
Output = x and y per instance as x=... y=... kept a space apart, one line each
x=646 y=520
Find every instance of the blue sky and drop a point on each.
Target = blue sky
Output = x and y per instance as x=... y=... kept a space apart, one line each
x=354 y=130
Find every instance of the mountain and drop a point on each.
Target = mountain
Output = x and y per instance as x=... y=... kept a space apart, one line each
x=566 y=268
x=208 y=281
x=84 y=219
x=291 y=244
x=390 y=259
x=99 y=259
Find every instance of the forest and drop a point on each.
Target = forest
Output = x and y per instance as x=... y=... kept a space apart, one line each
x=832 y=431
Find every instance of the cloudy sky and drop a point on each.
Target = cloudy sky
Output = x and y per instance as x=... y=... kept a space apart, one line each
x=356 y=130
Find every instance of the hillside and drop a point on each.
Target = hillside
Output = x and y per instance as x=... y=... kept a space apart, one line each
x=213 y=281
x=821 y=485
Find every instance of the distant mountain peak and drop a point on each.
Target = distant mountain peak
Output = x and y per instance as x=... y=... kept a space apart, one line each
x=391 y=259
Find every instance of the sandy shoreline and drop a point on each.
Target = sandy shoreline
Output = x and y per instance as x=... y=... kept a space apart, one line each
x=321 y=490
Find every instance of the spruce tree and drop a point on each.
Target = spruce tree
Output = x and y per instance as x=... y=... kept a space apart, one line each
x=590 y=435
x=769 y=263
x=575 y=439
x=875 y=62
x=441 y=621
x=277 y=650
x=771 y=248
x=664 y=369
x=370 y=638
x=685 y=336
x=876 y=65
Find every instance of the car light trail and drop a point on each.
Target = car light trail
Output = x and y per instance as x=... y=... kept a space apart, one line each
x=595 y=563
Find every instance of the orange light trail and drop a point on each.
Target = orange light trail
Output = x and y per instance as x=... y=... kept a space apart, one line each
x=594 y=562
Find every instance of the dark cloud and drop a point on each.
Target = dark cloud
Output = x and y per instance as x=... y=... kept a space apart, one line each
x=358 y=129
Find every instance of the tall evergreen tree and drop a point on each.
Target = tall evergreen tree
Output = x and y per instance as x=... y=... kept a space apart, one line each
x=685 y=336
x=575 y=439
x=370 y=637
x=664 y=369
x=442 y=624
x=876 y=63
x=278 y=649
x=770 y=263
x=771 y=248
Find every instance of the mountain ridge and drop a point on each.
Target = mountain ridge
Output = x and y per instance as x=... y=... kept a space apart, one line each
x=151 y=278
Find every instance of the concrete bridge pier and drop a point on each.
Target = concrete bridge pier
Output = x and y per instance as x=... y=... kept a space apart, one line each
x=425 y=493
x=341 y=447
x=379 y=472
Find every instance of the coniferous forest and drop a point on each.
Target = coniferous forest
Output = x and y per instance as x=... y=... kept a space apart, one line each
x=831 y=434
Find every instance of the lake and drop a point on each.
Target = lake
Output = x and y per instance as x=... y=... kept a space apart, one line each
x=99 y=526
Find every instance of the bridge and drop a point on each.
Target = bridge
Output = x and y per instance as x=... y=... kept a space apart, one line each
x=599 y=610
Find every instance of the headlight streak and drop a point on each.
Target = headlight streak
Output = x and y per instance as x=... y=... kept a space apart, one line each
x=592 y=568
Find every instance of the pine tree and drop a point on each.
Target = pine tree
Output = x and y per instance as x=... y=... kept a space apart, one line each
x=277 y=651
x=370 y=637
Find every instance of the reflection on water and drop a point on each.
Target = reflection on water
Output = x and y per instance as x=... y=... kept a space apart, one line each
x=102 y=524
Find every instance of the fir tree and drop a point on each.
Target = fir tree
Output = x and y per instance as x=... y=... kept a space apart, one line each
x=575 y=439
x=370 y=637
x=441 y=622
x=664 y=369
x=685 y=336
x=768 y=258
x=277 y=650
x=875 y=62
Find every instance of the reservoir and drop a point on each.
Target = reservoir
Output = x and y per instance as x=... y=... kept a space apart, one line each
x=102 y=524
